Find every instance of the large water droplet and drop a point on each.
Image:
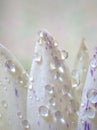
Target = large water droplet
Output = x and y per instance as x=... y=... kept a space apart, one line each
x=25 y=124
x=92 y=95
x=10 y=66
x=93 y=63
x=43 y=111
x=49 y=88
x=59 y=117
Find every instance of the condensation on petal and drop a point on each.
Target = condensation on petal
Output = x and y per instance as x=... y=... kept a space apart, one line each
x=13 y=83
x=80 y=71
x=52 y=86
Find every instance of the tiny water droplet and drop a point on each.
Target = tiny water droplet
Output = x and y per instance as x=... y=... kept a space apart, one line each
x=31 y=79
x=43 y=111
x=64 y=55
x=30 y=86
x=92 y=95
x=52 y=66
x=52 y=102
x=4 y=104
x=75 y=79
x=59 y=117
x=93 y=63
x=55 y=44
x=19 y=115
x=38 y=58
x=61 y=69
x=49 y=88
x=90 y=113
x=25 y=124
x=10 y=66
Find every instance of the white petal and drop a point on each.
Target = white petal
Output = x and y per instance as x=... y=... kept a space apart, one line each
x=80 y=71
x=50 y=99
x=88 y=111
x=13 y=81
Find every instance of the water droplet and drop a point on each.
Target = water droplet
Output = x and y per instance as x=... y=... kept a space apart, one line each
x=61 y=79
x=4 y=104
x=49 y=88
x=93 y=63
x=31 y=79
x=38 y=58
x=30 y=86
x=25 y=124
x=90 y=113
x=65 y=89
x=59 y=117
x=75 y=82
x=64 y=55
x=19 y=115
x=52 y=102
x=43 y=111
x=55 y=44
x=10 y=66
x=92 y=95
x=75 y=79
x=61 y=69
x=52 y=66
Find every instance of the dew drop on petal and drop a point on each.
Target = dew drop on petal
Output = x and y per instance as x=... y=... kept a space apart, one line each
x=52 y=66
x=59 y=117
x=31 y=78
x=61 y=69
x=43 y=111
x=64 y=55
x=49 y=88
x=30 y=87
x=90 y=113
x=25 y=124
x=38 y=57
x=52 y=102
x=55 y=44
x=10 y=66
x=92 y=95
x=4 y=104
x=19 y=115
x=93 y=63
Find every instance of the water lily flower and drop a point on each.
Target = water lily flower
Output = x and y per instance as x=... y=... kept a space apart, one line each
x=50 y=97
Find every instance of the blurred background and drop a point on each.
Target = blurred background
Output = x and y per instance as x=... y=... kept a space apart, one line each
x=67 y=20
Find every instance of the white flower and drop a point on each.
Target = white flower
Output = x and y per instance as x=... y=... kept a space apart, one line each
x=50 y=98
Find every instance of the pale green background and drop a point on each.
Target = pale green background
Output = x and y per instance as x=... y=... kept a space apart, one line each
x=68 y=21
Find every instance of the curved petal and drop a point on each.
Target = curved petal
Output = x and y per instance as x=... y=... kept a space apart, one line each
x=88 y=110
x=13 y=81
x=80 y=71
x=49 y=94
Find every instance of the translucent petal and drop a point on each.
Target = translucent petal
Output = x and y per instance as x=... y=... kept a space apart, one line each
x=49 y=81
x=13 y=92
x=80 y=71
x=89 y=97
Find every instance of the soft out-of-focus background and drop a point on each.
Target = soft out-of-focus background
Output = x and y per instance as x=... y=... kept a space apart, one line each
x=67 y=20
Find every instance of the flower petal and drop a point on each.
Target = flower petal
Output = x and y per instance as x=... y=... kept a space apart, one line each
x=13 y=81
x=88 y=115
x=49 y=94
x=80 y=71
